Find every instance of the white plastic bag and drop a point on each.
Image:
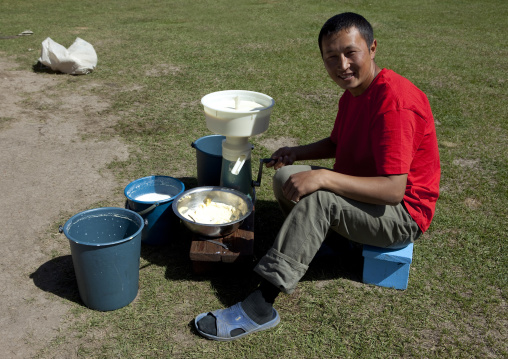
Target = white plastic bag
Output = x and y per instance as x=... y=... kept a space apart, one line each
x=79 y=59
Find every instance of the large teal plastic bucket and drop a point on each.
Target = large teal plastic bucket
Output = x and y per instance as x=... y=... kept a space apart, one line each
x=105 y=248
x=147 y=197
x=209 y=159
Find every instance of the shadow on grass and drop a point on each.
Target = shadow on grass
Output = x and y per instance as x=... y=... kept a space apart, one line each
x=231 y=281
x=40 y=68
x=57 y=276
x=234 y=281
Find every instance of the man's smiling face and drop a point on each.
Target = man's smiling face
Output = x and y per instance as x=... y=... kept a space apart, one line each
x=349 y=60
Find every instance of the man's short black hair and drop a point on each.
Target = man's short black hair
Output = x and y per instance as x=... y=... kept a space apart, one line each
x=346 y=21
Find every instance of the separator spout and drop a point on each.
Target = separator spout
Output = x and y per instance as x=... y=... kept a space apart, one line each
x=236 y=150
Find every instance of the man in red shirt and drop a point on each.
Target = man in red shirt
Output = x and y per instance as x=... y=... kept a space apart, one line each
x=382 y=190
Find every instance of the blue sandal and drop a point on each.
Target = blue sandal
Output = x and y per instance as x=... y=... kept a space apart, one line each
x=234 y=318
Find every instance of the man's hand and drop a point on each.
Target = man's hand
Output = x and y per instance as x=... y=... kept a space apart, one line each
x=284 y=156
x=301 y=184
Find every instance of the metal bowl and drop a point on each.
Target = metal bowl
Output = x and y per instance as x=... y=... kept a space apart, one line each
x=192 y=198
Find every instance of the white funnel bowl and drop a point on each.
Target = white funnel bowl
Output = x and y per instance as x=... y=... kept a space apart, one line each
x=237 y=113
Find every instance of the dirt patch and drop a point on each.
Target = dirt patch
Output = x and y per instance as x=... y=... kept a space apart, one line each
x=472 y=203
x=50 y=167
x=273 y=144
x=473 y=164
x=162 y=70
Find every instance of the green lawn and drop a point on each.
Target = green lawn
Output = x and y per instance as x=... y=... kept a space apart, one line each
x=168 y=54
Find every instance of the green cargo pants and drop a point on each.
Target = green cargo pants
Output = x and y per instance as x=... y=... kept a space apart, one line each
x=308 y=222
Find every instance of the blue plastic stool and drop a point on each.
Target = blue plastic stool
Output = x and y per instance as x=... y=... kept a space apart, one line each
x=387 y=267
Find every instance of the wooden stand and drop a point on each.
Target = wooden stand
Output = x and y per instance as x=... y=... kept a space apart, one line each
x=205 y=254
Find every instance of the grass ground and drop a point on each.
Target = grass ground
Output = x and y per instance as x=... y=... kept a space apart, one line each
x=168 y=54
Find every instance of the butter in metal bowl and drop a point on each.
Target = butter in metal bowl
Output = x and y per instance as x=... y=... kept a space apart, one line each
x=210 y=212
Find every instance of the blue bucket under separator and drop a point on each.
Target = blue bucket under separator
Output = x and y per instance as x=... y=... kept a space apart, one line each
x=209 y=159
x=151 y=197
x=105 y=247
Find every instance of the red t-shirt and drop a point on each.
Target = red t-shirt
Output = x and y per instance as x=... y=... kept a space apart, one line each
x=388 y=130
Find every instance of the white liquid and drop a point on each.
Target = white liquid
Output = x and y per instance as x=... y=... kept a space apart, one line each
x=152 y=197
x=243 y=106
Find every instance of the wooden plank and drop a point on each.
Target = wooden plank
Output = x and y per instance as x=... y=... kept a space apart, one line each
x=240 y=245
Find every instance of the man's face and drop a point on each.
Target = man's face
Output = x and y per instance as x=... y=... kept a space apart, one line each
x=349 y=60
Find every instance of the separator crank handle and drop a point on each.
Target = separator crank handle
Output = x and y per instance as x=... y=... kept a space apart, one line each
x=260 y=171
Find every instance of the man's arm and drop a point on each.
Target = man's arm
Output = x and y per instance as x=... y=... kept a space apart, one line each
x=385 y=190
x=284 y=156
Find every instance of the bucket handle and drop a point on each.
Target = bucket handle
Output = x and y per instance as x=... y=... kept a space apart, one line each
x=151 y=208
x=145 y=211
